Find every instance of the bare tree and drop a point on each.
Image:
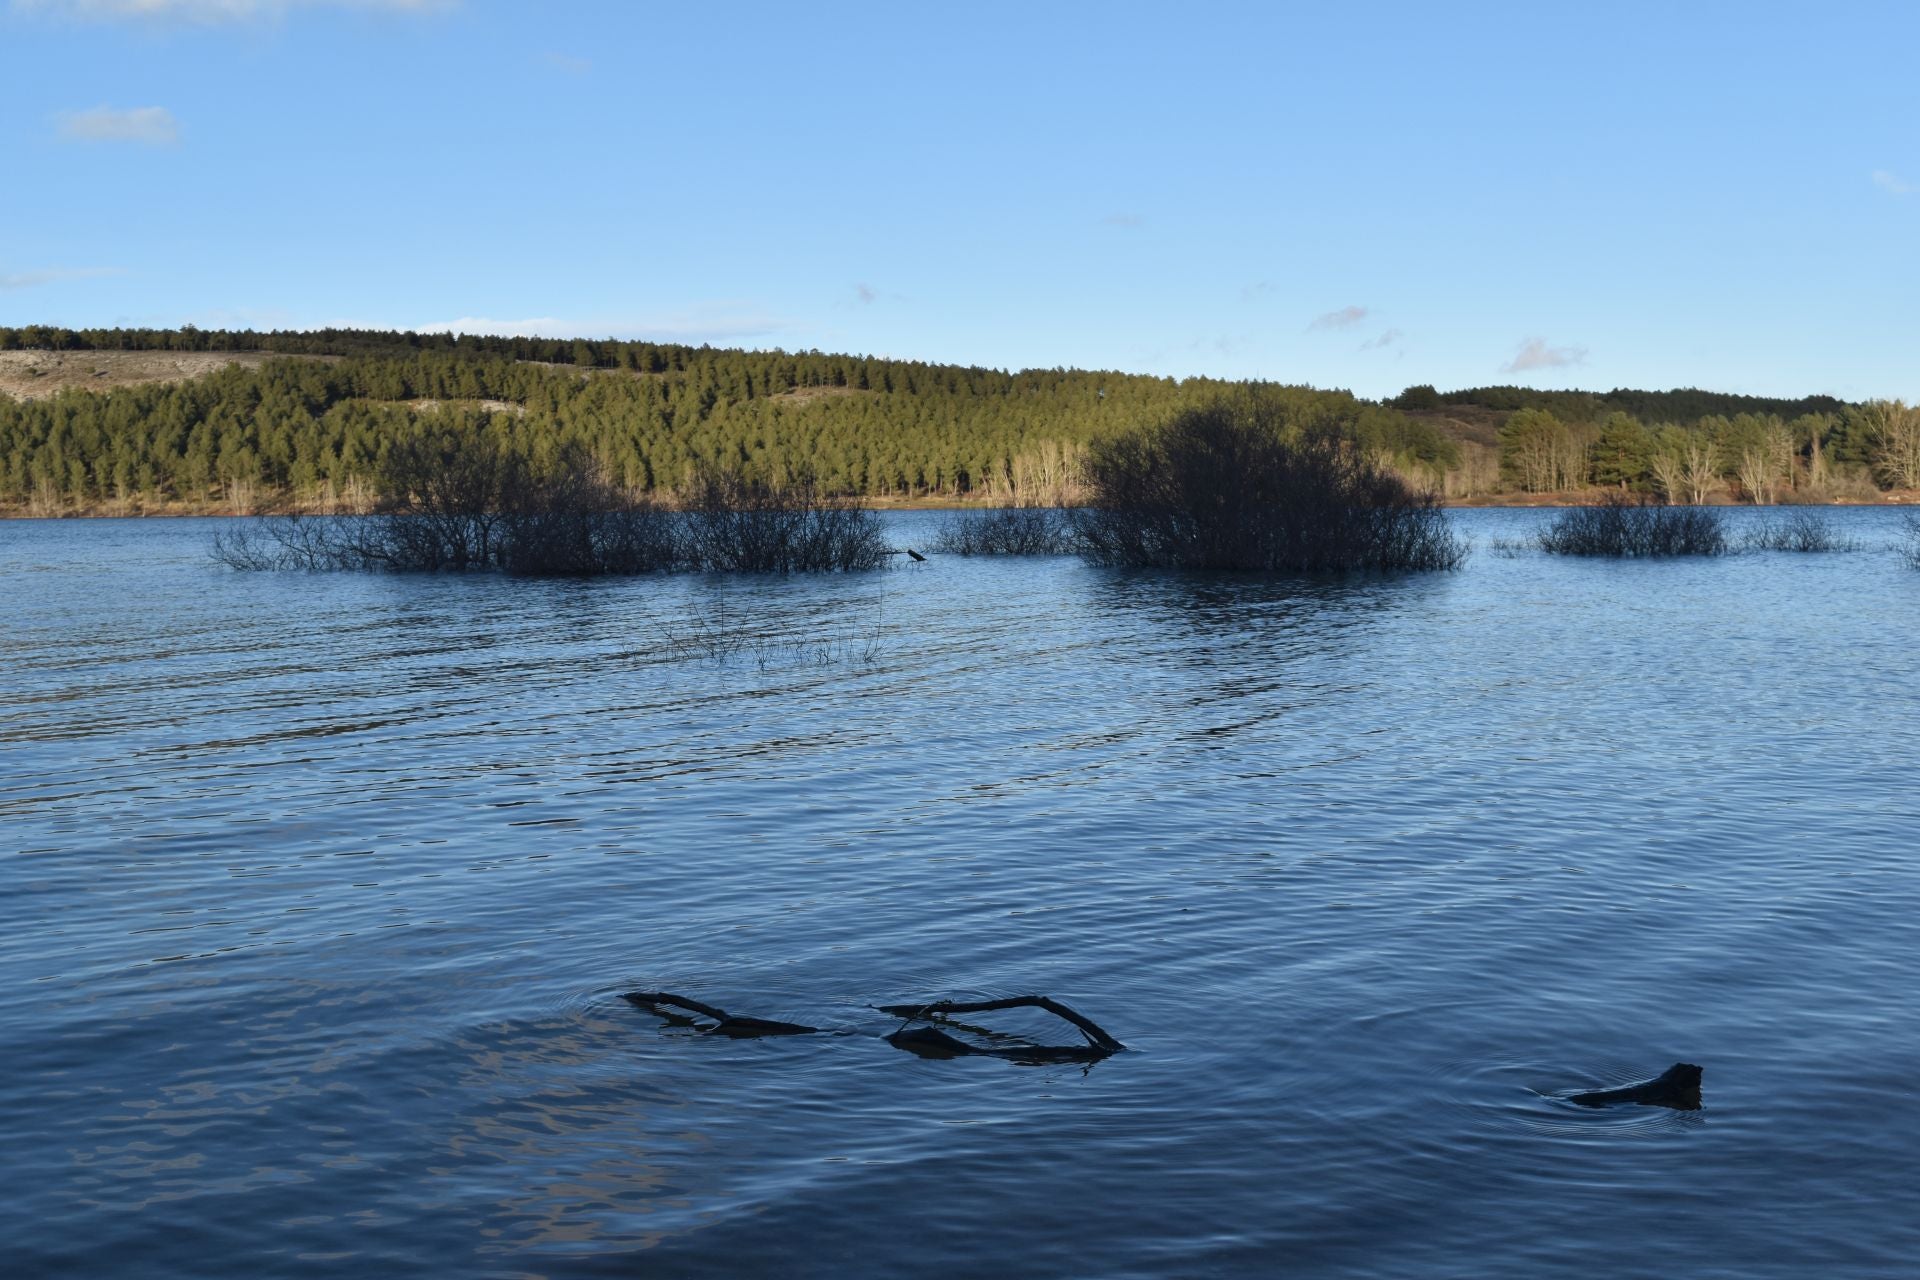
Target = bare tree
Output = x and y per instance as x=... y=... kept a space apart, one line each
x=1665 y=465
x=1571 y=448
x=1478 y=472
x=1781 y=453
x=1766 y=464
x=1699 y=469
x=1893 y=430
x=1816 y=427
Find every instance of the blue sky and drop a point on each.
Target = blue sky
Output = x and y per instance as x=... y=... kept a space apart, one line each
x=1366 y=196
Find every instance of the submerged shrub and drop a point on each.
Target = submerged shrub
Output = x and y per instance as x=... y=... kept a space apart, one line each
x=1798 y=530
x=572 y=523
x=454 y=501
x=731 y=525
x=1621 y=527
x=1239 y=485
x=1909 y=544
x=1006 y=531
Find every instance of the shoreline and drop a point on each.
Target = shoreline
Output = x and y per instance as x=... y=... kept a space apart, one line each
x=135 y=510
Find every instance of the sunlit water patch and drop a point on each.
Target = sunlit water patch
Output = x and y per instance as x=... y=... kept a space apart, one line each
x=321 y=894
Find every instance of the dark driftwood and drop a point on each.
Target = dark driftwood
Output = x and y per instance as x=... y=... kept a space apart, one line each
x=928 y=1042
x=1677 y=1087
x=724 y=1023
x=1097 y=1038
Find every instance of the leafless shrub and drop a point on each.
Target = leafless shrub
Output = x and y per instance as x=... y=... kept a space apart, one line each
x=1006 y=531
x=1799 y=529
x=1909 y=544
x=732 y=525
x=1237 y=485
x=456 y=500
x=572 y=522
x=1621 y=527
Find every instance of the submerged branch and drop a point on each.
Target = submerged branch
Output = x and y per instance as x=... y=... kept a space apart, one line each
x=725 y=1024
x=1095 y=1034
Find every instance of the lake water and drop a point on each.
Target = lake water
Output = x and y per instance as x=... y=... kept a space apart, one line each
x=320 y=892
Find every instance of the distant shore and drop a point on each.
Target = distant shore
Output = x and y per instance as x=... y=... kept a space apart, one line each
x=133 y=509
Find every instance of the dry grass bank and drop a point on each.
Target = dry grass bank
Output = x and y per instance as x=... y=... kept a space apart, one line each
x=34 y=375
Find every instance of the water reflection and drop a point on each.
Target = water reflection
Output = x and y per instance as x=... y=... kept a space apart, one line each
x=1241 y=653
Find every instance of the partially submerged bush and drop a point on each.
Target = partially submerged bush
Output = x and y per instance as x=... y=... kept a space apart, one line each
x=1238 y=485
x=1621 y=526
x=1006 y=531
x=1909 y=544
x=730 y=525
x=456 y=500
x=572 y=523
x=1798 y=530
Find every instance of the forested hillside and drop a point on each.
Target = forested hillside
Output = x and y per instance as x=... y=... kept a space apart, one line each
x=313 y=431
x=305 y=417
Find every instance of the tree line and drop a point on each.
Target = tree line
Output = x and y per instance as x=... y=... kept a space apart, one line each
x=651 y=415
x=1681 y=405
x=1681 y=446
x=1753 y=457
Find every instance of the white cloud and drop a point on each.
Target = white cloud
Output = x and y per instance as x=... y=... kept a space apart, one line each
x=715 y=324
x=1887 y=181
x=153 y=126
x=1534 y=353
x=1344 y=318
x=34 y=279
x=1390 y=338
x=209 y=11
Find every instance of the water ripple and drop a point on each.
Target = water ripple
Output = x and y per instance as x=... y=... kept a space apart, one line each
x=321 y=893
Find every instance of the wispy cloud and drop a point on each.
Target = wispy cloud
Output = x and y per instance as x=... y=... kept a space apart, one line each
x=866 y=294
x=1391 y=337
x=1534 y=353
x=1128 y=221
x=152 y=126
x=1257 y=290
x=702 y=324
x=34 y=279
x=1888 y=181
x=566 y=63
x=1344 y=318
x=209 y=12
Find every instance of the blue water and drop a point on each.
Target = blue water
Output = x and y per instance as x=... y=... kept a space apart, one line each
x=319 y=893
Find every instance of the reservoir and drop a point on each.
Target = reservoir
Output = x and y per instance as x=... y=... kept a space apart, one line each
x=319 y=893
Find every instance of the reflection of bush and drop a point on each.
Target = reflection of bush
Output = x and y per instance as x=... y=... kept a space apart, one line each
x=1239 y=485
x=1622 y=527
x=1006 y=531
x=454 y=501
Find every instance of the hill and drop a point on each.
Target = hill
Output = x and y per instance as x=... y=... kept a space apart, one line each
x=273 y=423
x=140 y=420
